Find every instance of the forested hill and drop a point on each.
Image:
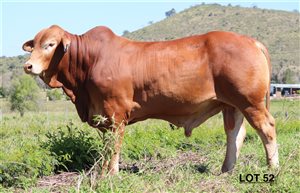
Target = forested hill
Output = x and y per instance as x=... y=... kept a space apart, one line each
x=278 y=30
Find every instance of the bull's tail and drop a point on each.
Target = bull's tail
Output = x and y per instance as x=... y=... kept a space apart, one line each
x=266 y=54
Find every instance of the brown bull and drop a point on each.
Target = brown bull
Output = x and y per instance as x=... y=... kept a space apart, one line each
x=183 y=81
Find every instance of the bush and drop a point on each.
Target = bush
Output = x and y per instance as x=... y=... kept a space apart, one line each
x=170 y=12
x=289 y=77
x=24 y=94
x=3 y=92
x=73 y=149
x=125 y=32
x=26 y=166
x=54 y=94
x=65 y=149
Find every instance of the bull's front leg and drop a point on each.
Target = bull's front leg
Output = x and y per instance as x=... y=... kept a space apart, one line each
x=112 y=146
x=116 y=111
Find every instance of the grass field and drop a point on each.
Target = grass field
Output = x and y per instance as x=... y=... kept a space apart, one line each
x=53 y=152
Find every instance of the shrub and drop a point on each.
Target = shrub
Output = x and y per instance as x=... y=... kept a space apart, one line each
x=26 y=166
x=54 y=94
x=67 y=148
x=72 y=148
x=23 y=95
x=170 y=12
x=3 y=92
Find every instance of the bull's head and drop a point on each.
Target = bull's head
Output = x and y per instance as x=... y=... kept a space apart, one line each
x=43 y=48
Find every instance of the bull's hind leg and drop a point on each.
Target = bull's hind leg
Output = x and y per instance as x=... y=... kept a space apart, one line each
x=235 y=132
x=260 y=119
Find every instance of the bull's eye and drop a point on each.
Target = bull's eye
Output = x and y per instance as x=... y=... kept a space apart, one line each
x=46 y=46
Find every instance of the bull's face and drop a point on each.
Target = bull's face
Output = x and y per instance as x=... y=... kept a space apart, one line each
x=42 y=49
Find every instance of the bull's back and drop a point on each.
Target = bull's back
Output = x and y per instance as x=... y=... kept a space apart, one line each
x=177 y=69
x=185 y=73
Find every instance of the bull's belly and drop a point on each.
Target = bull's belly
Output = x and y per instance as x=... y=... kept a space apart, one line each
x=185 y=115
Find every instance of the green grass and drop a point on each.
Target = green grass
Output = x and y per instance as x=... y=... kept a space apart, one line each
x=154 y=157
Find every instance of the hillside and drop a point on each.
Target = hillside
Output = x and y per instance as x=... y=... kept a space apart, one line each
x=278 y=30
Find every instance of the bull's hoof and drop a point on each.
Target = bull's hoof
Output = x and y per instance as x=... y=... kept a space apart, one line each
x=226 y=168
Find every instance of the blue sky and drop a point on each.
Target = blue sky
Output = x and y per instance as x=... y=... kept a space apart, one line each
x=21 y=20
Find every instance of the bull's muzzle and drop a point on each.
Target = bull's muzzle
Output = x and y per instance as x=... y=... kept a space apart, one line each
x=28 y=68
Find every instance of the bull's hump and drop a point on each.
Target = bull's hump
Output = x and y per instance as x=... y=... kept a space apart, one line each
x=100 y=30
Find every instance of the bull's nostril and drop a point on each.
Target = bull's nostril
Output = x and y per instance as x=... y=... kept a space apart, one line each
x=27 y=68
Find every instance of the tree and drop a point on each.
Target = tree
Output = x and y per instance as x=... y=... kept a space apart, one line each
x=288 y=77
x=24 y=94
x=3 y=92
x=170 y=13
x=125 y=32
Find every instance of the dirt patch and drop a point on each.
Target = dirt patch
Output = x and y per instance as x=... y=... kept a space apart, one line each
x=57 y=182
x=61 y=182
x=154 y=165
x=213 y=186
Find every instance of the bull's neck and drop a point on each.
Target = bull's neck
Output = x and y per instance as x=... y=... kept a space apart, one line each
x=84 y=52
x=75 y=64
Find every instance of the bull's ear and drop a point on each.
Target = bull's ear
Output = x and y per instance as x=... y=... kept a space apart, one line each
x=28 y=46
x=66 y=42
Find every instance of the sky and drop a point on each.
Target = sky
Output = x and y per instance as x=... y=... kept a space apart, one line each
x=22 y=19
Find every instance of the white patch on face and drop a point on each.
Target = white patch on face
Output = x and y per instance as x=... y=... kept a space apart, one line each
x=36 y=69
